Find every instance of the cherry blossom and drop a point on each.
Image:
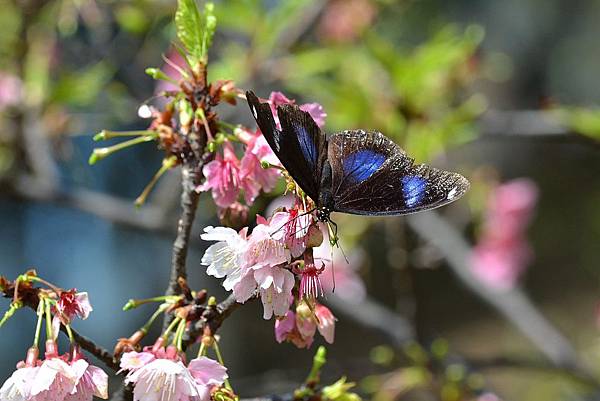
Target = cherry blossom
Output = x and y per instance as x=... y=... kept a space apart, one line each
x=208 y=374
x=223 y=177
x=54 y=380
x=164 y=380
x=18 y=386
x=90 y=381
x=70 y=304
x=502 y=252
x=314 y=109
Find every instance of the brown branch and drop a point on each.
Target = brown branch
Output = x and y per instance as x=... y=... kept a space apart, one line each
x=190 y=178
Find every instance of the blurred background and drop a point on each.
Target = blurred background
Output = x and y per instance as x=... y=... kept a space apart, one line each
x=456 y=304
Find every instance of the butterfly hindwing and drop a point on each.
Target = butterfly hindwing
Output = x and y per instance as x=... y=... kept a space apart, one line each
x=299 y=144
x=371 y=175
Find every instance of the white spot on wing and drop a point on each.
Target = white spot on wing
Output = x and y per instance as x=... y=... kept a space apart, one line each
x=254 y=112
x=452 y=193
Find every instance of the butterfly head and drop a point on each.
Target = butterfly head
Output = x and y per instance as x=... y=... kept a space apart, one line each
x=323 y=214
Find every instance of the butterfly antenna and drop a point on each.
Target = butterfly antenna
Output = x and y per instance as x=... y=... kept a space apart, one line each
x=332 y=270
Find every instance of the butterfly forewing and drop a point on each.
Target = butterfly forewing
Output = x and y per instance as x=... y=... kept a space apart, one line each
x=299 y=144
x=372 y=175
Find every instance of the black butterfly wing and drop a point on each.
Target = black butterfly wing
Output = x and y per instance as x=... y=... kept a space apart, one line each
x=371 y=175
x=299 y=145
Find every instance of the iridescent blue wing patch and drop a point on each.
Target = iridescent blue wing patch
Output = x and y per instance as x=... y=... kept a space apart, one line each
x=361 y=165
x=413 y=190
x=371 y=175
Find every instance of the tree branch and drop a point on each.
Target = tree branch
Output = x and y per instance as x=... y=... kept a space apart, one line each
x=512 y=304
x=190 y=178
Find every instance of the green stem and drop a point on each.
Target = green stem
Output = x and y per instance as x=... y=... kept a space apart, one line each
x=171 y=326
x=318 y=362
x=178 y=339
x=49 y=333
x=101 y=153
x=166 y=165
x=104 y=134
x=202 y=350
x=221 y=361
x=156 y=314
x=38 y=326
x=14 y=306
x=70 y=333
x=134 y=303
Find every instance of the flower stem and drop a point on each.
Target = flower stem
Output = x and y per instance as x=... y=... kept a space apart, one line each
x=171 y=326
x=38 y=326
x=178 y=339
x=134 y=303
x=70 y=333
x=156 y=314
x=104 y=134
x=315 y=372
x=166 y=165
x=221 y=361
x=202 y=350
x=100 y=153
x=49 y=332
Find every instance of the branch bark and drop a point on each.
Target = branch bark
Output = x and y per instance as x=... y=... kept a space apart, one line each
x=190 y=178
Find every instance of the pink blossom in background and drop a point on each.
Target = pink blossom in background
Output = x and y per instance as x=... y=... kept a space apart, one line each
x=174 y=59
x=349 y=286
x=502 y=252
x=11 y=90
x=344 y=20
x=285 y=326
x=315 y=110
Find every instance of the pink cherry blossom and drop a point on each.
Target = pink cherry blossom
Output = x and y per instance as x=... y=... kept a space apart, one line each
x=226 y=258
x=18 y=386
x=258 y=150
x=208 y=374
x=502 y=252
x=70 y=304
x=91 y=381
x=223 y=177
x=164 y=380
x=11 y=90
x=134 y=360
x=299 y=328
x=276 y=298
x=314 y=109
x=285 y=326
x=54 y=380
x=326 y=322
x=310 y=283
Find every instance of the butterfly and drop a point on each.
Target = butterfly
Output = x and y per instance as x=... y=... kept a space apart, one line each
x=354 y=171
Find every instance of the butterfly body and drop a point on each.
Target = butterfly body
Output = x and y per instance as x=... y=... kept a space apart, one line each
x=353 y=171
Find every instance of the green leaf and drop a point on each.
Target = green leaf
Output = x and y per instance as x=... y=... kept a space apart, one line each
x=194 y=29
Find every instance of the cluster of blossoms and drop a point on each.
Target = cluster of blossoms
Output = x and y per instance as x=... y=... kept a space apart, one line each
x=502 y=252
x=268 y=261
x=227 y=176
x=160 y=373
x=67 y=377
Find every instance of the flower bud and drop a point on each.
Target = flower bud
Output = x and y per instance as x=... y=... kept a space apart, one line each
x=234 y=216
x=314 y=236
